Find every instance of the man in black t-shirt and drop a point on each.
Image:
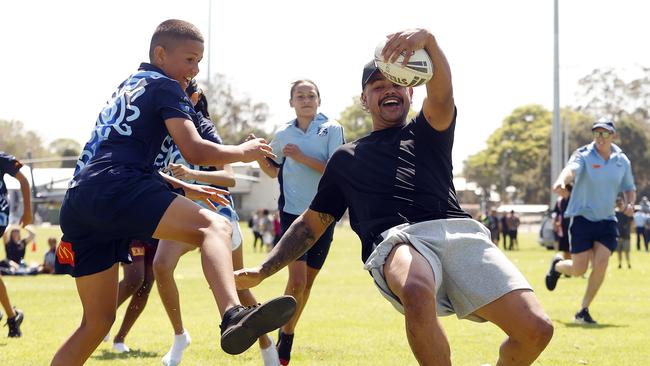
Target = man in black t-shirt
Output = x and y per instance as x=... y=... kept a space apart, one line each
x=425 y=254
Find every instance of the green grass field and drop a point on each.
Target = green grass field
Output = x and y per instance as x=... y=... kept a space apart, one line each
x=346 y=322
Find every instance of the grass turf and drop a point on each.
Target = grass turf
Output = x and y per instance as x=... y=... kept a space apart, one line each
x=346 y=321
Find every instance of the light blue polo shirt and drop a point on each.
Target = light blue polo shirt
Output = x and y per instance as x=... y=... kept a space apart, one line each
x=598 y=182
x=298 y=182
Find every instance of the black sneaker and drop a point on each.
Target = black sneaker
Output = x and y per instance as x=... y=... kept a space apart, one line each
x=285 y=342
x=14 y=324
x=583 y=317
x=241 y=326
x=552 y=275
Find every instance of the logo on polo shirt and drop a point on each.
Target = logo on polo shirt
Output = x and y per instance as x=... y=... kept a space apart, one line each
x=64 y=253
x=596 y=166
x=322 y=131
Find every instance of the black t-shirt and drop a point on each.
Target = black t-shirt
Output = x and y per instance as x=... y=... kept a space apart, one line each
x=16 y=250
x=392 y=176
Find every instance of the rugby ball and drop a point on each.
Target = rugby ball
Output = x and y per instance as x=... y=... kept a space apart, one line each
x=416 y=72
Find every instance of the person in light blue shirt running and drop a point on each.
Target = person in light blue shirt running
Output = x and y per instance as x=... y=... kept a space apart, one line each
x=303 y=146
x=599 y=172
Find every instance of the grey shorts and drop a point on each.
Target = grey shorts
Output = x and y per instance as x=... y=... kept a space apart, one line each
x=470 y=272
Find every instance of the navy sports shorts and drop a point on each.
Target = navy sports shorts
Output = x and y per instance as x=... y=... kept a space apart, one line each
x=100 y=220
x=316 y=255
x=584 y=233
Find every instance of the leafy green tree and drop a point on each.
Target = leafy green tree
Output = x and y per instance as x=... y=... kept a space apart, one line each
x=518 y=154
x=234 y=117
x=65 y=148
x=18 y=142
x=603 y=93
x=355 y=121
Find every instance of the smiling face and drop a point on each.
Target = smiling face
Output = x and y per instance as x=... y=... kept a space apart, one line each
x=305 y=100
x=179 y=59
x=603 y=138
x=387 y=103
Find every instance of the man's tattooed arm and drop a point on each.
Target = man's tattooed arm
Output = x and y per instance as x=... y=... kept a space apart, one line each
x=301 y=235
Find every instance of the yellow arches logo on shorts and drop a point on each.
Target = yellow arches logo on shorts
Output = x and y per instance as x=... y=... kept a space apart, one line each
x=137 y=251
x=64 y=253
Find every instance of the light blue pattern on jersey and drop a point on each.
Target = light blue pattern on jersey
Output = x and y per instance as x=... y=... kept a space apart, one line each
x=598 y=182
x=117 y=114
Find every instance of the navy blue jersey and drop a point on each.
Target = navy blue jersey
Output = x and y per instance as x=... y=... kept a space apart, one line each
x=8 y=165
x=131 y=127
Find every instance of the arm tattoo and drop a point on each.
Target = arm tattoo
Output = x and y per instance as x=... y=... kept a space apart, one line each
x=325 y=219
x=294 y=243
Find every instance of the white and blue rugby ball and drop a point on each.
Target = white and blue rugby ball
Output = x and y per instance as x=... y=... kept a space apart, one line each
x=416 y=72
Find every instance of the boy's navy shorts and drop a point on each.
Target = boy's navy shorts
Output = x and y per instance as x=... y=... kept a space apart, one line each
x=100 y=220
x=584 y=233
x=316 y=255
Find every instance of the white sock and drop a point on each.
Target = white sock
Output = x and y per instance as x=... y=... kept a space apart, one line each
x=120 y=347
x=270 y=355
x=175 y=354
x=107 y=337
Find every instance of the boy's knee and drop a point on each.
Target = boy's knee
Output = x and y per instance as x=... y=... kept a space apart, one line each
x=163 y=267
x=100 y=324
x=297 y=285
x=220 y=226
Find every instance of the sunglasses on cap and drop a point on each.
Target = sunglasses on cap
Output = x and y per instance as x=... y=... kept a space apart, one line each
x=603 y=134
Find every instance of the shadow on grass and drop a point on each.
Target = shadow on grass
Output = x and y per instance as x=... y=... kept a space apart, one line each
x=109 y=355
x=571 y=324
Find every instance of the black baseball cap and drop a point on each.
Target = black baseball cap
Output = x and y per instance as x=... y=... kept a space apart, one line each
x=607 y=124
x=370 y=70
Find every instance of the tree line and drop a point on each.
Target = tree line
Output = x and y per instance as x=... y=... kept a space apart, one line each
x=516 y=154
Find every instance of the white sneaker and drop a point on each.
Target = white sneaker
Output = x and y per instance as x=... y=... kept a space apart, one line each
x=121 y=347
x=175 y=354
x=270 y=355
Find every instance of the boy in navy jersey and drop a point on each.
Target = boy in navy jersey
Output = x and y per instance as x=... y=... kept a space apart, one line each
x=116 y=195
x=426 y=255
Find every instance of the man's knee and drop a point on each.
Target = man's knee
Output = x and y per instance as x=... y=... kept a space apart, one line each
x=418 y=296
x=539 y=331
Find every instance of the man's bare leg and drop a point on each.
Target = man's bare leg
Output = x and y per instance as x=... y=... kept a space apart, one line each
x=521 y=317
x=410 y=277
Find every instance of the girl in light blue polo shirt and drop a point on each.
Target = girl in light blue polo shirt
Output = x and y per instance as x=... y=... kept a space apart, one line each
x=303 y=146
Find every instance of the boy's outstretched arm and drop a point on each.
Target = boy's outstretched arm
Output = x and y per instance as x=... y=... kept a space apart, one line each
x=301 y=235
x=27 y=217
